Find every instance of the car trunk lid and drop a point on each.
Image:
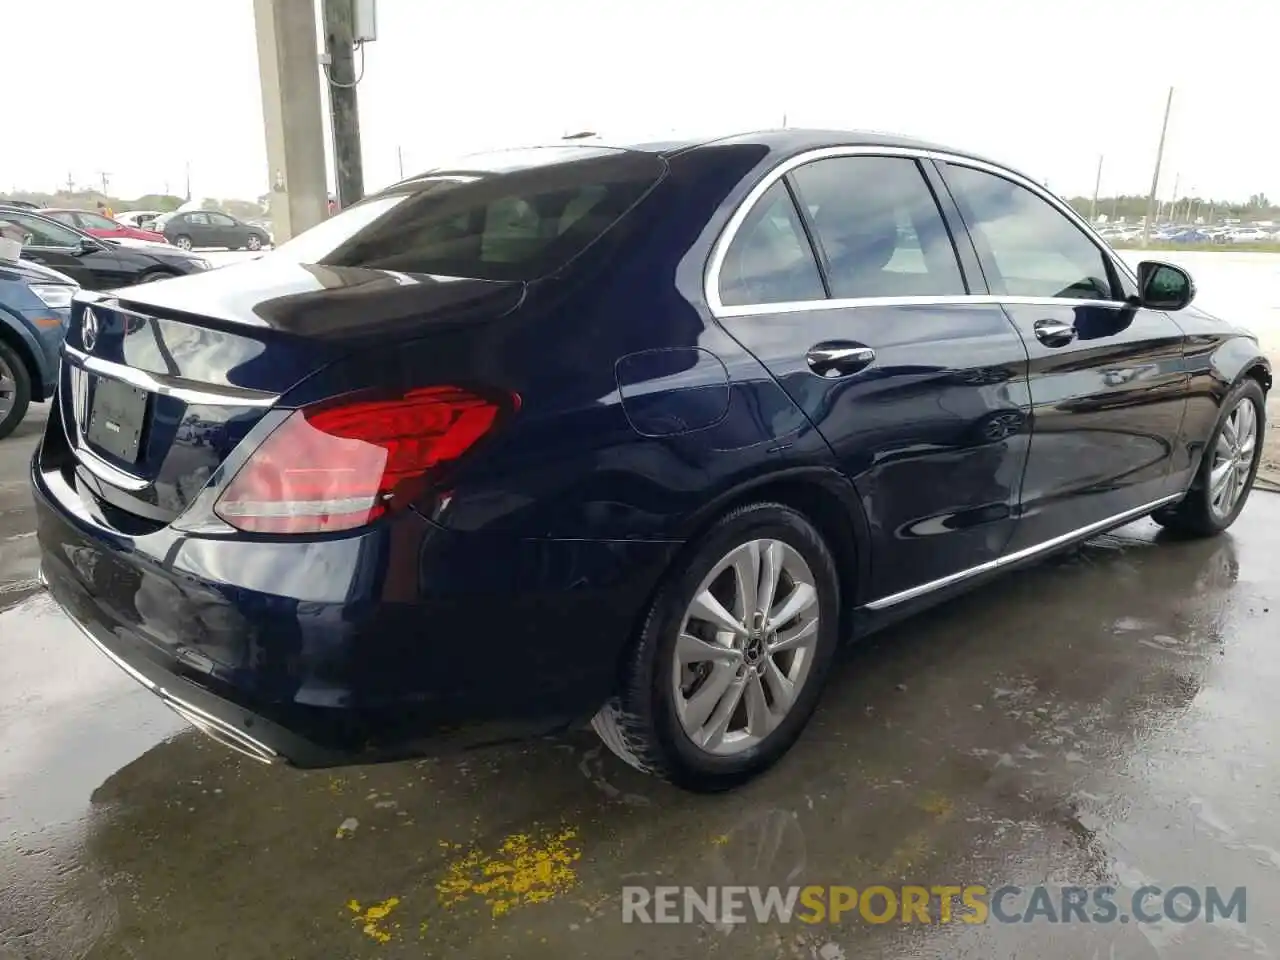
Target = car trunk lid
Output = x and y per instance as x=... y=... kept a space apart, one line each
x=162 y=382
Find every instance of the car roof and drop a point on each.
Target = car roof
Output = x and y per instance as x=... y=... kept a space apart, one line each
x=785 y=141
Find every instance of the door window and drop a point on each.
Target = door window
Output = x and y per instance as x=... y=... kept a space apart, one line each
x=770 y=259
x=220 y=220
x=879 y=228
x=37 y=232
x=198 y=219
x=63 y=216
x=97 y=222
x=1035 y=250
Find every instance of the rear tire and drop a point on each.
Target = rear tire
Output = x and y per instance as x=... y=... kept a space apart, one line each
x=15 y=390
x=254 y=243
x=1205 y=510
x=182 y=242
x=713 y=723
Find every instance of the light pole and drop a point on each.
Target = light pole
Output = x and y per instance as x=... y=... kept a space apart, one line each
x=1155 y=176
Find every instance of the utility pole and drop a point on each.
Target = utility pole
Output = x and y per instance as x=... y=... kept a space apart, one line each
x=344 y=115
x=106 y=182
x=1155 y=177
x=400 y=161
x=71 y=184
x=188 y=179
x=1097 y=182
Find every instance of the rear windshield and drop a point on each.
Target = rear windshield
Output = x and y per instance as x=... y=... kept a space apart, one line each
x=513 y=224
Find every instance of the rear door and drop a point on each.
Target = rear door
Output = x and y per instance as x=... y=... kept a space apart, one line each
x=843 y=280
x=1108 y=385
x=199 y=229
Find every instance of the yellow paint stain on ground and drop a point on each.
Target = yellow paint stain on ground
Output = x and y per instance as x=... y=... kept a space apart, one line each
x=525 y=869
x=938 y=806
x=370 y=918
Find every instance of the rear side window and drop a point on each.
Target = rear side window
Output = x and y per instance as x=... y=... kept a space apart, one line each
x=770 y=259
x=518 y=224
x=879 y=228
x=1034 y=249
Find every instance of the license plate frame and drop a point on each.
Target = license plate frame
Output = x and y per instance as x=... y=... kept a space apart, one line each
x=117 y=416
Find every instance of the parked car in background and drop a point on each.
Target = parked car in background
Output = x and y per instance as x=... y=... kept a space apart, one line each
x=97 y=225
x=142 y=219
x=1249 y=235
x=35 y=307
x=19 y=204
x=641 y=433
x=95 y=263
x=1187 y=235
x=210 y=228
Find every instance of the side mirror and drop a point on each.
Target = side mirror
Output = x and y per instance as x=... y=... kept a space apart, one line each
x=87 y=245
x=1164 y=286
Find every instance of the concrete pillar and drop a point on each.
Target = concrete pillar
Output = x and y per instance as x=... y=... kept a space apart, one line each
x=291 y=111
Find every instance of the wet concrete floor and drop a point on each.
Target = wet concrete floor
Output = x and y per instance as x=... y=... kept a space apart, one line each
x=1108 y=718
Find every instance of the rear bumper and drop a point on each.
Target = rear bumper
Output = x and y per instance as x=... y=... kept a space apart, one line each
x=402 y=641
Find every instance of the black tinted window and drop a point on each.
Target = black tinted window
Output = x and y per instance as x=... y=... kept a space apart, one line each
x=517 y=224
x=1035 y=250
x=879 y=227
x=770 y=259
x=36 y=232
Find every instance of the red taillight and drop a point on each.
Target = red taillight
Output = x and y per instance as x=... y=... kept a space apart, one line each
x=342 y=465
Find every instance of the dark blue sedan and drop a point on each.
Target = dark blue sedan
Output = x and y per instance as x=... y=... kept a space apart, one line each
x=35 y=308
x=630 y=435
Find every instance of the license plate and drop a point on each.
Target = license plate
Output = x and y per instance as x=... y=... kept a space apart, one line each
x=116 y=419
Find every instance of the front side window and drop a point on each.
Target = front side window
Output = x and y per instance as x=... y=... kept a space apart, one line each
x=221 y=220
x=879 y=228
x=770 y=259
x=199 y=219
x=37 y=232
x=1034 y=249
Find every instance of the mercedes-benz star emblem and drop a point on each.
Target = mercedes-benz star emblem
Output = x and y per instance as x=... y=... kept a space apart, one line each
x=89 y=330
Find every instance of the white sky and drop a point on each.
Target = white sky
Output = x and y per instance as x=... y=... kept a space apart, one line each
x=139 y=87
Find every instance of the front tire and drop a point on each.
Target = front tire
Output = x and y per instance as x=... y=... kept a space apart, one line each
x=733 y=654
x=15 y=390
x=1227 y=468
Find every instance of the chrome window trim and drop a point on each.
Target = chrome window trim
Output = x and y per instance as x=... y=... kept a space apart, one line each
x=169 y=386
x=1027 y=553
x=720 y=250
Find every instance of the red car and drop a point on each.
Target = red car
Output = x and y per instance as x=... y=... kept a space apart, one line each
x=97 y=225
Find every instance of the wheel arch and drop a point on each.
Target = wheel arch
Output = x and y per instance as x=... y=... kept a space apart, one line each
x=827 y=499
x=16 y=337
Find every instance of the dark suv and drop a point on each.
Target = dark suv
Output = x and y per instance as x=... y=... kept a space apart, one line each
x=209 y=228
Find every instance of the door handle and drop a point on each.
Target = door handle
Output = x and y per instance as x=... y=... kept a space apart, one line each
x=839 y=359
x=1055 y=333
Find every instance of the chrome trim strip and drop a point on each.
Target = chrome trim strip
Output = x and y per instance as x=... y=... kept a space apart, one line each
x=188 y=391
x=107 y=473
x=1024 y=554
x=960 y=300
x=711 y=278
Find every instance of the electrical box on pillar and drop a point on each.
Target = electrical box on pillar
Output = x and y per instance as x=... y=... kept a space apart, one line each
x=366 y=21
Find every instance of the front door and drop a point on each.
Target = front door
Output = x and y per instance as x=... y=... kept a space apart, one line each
x=844 y=282
x=1107 y=379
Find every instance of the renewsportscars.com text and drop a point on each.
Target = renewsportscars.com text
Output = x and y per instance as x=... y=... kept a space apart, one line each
x=943 y=903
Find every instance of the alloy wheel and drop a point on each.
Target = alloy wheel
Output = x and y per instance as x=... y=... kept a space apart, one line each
x=1233 y=456
x=745 y=646
x=8 y=389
